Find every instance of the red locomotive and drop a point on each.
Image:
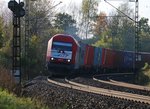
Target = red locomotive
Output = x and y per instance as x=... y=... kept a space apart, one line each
x=65 y=52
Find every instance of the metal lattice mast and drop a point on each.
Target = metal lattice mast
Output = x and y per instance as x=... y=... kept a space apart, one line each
x=137 y=38
x=27 y=35
x=18 y=11
x=16 y=67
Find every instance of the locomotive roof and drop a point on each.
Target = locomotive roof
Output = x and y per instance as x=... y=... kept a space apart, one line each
x=75 y=38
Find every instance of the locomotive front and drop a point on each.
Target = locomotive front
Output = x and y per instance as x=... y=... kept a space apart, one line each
x=61 y=53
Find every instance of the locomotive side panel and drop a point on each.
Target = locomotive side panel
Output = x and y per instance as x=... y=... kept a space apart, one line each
x=48 y=50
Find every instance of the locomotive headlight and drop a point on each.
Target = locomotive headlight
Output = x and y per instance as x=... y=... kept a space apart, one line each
x=52 y=59
x=68 y=60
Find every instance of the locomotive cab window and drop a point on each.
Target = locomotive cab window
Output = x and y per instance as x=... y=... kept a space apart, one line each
x=62 y=46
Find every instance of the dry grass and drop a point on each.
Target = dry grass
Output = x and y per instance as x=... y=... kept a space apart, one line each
x=6 y=79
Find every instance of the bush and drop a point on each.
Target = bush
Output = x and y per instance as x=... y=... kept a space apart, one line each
x=6 y=79
x=143 y=77
x=9 y=101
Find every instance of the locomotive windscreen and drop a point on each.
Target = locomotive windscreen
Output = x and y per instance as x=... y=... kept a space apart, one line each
x=61 y=50
x=62 y=46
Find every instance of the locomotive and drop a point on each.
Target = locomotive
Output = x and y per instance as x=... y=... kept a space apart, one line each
x=64 y=52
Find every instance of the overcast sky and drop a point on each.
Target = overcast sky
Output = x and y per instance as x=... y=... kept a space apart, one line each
x=144 y=5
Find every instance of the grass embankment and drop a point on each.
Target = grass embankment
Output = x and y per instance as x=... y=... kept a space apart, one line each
x=8 y=99
x=143 y=77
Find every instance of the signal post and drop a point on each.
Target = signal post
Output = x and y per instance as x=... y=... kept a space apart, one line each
x=18 y=12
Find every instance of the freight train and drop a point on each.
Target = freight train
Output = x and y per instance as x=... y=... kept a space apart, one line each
x=64 y=52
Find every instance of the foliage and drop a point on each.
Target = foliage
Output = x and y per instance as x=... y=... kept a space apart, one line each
x=9 y=101
x=5 y=59
x=89 y=12
x=101 y=24
x=90 y=41
x=40 y=16
x=115 y=32
x=144 y=34
x=1 y=32
x=143 y=77
x=123 y=29
x=66 y=23
x=35 y=59
x=6 y=80
x=104 y=41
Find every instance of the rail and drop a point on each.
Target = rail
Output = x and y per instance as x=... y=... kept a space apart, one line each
x=107 y=92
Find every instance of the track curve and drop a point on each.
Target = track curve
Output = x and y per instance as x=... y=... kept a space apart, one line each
x=101 y=91
x=122 y=84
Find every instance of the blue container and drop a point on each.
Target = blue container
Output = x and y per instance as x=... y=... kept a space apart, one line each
x=97 y=56
x=128 y=60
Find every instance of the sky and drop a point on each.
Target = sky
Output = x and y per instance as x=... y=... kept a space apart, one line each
x=144 y=5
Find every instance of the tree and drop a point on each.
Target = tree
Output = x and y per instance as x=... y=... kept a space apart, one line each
x=122 y=29
x=116 y=31
x=144 y=34
x=101 y=24
x=89 y=12
x=65 y=22
x=41 y=13
x=144 y=27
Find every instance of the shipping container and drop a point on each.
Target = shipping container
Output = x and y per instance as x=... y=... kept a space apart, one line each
x=118 y=59
x=108 y=58
x=82 y=51
x=128 y=61
x=89 y=56
x=97 y=56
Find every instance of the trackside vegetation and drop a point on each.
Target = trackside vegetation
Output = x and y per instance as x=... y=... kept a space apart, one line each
x=143 y=77
x=10 y=101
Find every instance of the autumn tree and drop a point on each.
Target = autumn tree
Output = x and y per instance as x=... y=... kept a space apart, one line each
x=100 y=24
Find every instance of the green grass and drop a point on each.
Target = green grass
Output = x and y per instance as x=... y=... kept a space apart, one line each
x=10 y=101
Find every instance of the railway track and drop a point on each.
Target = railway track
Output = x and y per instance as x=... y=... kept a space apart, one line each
x=101 y=91
x=122 y=84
